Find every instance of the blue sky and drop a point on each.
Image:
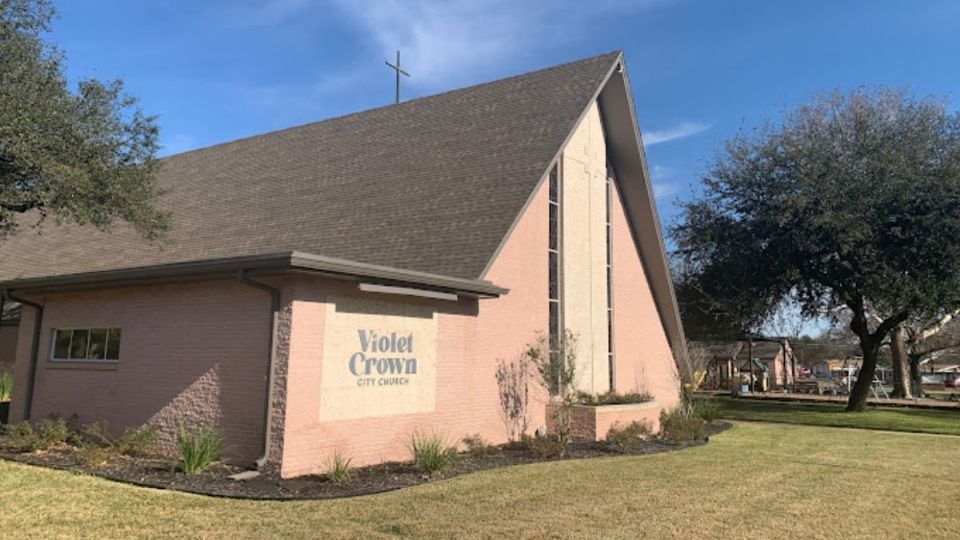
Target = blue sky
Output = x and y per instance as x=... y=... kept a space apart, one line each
x=701 y=70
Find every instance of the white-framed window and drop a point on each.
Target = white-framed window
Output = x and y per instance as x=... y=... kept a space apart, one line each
x=86 y=345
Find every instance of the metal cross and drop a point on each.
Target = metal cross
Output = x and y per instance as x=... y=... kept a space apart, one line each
x=399 y=71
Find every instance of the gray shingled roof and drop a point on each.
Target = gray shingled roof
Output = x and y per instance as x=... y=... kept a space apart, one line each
x=431 y=185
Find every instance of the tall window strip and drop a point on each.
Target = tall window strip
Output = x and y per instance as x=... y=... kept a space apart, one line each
x=554 y=256
x=610 y=359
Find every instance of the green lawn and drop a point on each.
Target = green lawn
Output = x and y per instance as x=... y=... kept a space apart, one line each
x=755 y=481
x=894 y=419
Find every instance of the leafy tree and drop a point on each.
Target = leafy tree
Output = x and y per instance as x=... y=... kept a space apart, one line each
x=851 y=200
x=87 y=156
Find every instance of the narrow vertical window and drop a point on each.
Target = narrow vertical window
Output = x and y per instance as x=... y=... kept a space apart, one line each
x=553 y=250
x=610 y=359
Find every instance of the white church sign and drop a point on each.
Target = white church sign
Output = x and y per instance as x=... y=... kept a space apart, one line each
x=379 y=359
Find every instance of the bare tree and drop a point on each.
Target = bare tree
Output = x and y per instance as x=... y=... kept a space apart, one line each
x=513 y=382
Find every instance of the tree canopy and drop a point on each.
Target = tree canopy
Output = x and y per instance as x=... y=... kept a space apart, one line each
x=851 y=200
x=85 y=156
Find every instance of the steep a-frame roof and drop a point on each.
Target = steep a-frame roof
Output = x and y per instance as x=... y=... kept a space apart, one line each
x=430 y=185
x=424 y=191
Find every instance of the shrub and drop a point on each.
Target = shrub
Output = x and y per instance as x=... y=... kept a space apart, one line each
x=94 y=455
x=430 y=453
x=476 y=446
x=544 y=447
x=137 y=441
x=623 y=437
x=6 y=385
x=339 y=470
x=96 y=433
x=22 y=437
x=53 y=432
x=198 y=450
x=706 y=408
x=681 y=425
x=612 y=398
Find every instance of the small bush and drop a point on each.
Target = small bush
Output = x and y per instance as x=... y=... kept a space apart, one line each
x=706 y=408
x=430 y=453
x=53 y=432
x=22 y=437
x=611 y=398
x=339 y=470
x=138 y=441
x=476 y=446
x=198 y=450
x=6 y=385
x=94 y=455
x=681 y=425
x=623 y=437
x=544 y=447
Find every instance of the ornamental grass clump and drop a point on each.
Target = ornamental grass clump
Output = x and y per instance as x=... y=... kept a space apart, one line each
x=706 y=408
x=339 y=470
x=431 y=454
x=6 y=385
x=198 y=450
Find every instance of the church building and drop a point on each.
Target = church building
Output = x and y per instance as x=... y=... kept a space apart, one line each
x=338 y=286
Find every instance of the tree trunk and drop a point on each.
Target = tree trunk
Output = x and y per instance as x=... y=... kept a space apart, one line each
x=861 y=390
x=916 y=377
x=901 y=368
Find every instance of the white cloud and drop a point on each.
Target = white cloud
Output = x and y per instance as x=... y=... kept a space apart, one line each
x=455 y=41
x=664 y=181
x=684 y=129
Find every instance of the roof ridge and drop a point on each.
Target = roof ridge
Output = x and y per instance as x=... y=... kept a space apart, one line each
x=401 y=104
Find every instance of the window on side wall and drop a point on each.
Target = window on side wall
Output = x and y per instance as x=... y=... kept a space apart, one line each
x=86 y=345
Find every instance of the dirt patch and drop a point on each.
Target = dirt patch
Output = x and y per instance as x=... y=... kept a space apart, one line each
x=163 y=474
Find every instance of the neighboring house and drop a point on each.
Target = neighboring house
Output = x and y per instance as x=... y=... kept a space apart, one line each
x=9 y=325
x=773 y=363
x=775 y=358
x=338 y=286
x=945 y=372
x=836 y=368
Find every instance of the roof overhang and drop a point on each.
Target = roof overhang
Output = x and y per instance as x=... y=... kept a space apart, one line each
x=625 y=151
x=284 y=261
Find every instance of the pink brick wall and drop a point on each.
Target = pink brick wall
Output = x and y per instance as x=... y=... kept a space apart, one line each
x=642 y=355
x=593 y=423
x=192 y=352
x=472 y=336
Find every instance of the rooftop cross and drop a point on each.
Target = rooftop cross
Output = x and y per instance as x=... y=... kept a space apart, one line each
x=399 y=70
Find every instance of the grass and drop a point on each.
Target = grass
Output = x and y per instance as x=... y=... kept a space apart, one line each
x=891 y=419
x=756 y=480
x=6 y=385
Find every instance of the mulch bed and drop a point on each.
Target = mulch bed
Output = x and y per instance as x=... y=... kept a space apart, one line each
x=366 y=480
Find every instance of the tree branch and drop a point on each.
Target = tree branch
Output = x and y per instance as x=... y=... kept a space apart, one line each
x=935 y=328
